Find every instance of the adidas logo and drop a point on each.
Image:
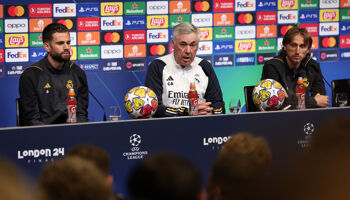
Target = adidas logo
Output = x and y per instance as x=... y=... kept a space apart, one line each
x=170 y=80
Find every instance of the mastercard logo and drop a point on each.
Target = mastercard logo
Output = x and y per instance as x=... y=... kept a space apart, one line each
x=15 y=11
x=157 y=50
x=329 y=42
x=112 y=37
x=245 y=18
x=284 y=29
x=202 y=6
x=67 y=22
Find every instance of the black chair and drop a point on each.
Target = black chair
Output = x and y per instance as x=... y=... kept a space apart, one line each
x=249 y=103
x=340 y=86
x=18 y=112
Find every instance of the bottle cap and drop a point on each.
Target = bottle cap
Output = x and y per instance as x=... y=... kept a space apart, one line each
x=71 y=92
x=192 y=86
x=300 y=80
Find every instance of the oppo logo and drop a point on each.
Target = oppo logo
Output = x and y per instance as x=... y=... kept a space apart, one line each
x=157 y=7
x=16 y=25
x=245 y=32
x=201 y=20
x=329 y=1
x=112 y=51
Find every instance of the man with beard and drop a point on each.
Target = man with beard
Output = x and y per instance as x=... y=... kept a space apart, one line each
x=294 y=60
x=44 y=86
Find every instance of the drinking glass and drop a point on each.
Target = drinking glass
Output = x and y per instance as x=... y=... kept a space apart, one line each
x=341 y=99
x=114 y=113
x=235 y=105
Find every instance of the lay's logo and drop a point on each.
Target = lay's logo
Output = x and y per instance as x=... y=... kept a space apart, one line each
x=244 y=46
x=16 y=40
x=329 y=15
x=160 y=21
x=287 y=4
x=206 y=33
x=108 y=9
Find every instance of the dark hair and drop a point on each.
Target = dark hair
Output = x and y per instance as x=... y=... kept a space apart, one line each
x=164 y=176
x=52 y=28
x=92 y=153
x=73 y=178
x=287 y=39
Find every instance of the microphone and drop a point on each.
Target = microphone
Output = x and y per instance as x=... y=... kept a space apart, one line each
x=99 y=103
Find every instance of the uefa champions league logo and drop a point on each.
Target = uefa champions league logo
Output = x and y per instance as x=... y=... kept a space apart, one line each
x=309 y=128
x=135 y=141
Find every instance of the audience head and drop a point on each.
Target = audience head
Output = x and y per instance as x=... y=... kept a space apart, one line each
x=94 y=154
x=323 y=171
x=73 y=178
x=241 y=169
x=164 y=176
x=12 y=183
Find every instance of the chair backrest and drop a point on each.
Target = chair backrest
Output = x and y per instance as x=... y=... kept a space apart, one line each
x=18 y=112
x=249 y=103
x=340 y=86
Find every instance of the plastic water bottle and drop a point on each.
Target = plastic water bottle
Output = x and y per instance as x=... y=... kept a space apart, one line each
x=193 y=100
x=71 y=107
x=300 y=92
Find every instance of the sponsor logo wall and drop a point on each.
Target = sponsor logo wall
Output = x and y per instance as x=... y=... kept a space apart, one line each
x=233 y=32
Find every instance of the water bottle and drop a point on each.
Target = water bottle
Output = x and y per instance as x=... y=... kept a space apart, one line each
x=193 y=100
x=300 y=92
x=71 y=107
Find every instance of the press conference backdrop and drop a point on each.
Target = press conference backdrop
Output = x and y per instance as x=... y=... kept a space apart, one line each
x=115 y=41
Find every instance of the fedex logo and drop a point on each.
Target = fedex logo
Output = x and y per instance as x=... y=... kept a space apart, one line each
x=205 y=48
x=64 y=10
x=329 y=28
x=244 y=5
x=287 y=17
x=111 y=23
x=329 y=15
x=157 y=36
x=16 y=55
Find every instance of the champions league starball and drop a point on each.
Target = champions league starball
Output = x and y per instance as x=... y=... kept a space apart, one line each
x=269 y=94
x=141 y=102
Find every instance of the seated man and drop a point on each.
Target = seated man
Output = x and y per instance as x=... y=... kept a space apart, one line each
x=170 y=76
x=44 y=86
x=293 y=61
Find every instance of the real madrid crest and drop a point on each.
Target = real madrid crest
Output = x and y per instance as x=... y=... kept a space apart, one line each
x=69 y=84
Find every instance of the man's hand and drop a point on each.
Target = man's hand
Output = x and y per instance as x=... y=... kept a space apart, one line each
x=322 y=100
x=204 y=108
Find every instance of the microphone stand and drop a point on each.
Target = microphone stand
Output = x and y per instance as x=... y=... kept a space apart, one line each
x=99 y=103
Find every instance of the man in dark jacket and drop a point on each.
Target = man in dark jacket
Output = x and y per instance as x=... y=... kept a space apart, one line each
x=44 y=86
x=294 y=61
